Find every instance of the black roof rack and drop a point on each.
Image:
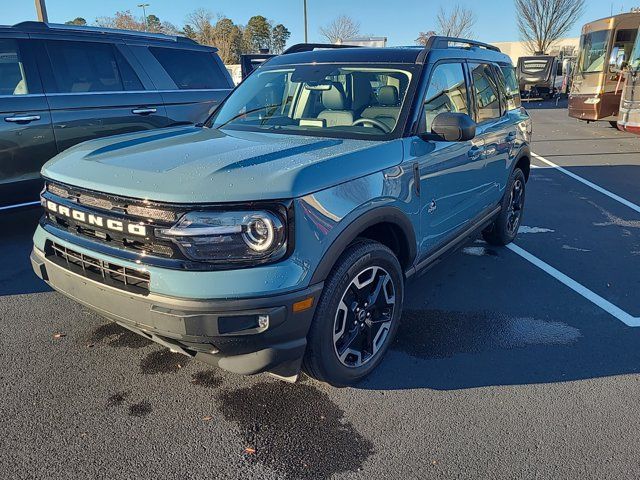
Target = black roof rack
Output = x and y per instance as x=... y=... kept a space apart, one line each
x=41 y=26
x=310 y=47
x=437 y=42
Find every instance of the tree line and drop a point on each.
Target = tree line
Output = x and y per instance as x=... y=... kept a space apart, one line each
x=540 y=23
x=231 y=39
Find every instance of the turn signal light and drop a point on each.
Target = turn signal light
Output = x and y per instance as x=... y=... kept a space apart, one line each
x=303 y=305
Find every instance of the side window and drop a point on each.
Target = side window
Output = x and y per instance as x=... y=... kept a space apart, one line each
x=80 y=67
x=447 y=92
x=512 y=89
x=190 y=69
x=13 y=80
x=486 y=93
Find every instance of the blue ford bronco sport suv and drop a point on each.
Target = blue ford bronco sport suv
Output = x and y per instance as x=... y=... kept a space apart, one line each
x=279 y=235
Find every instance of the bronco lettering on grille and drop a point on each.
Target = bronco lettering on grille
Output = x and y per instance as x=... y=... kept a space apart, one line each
x=98 y=221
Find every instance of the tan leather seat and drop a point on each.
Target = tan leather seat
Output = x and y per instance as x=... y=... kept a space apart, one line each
x=337 y=112
x=388 y=109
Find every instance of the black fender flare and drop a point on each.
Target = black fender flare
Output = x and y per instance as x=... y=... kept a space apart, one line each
x=384 y=214
x=525 y=151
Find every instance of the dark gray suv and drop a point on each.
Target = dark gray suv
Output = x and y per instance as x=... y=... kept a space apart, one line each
x=61 y=85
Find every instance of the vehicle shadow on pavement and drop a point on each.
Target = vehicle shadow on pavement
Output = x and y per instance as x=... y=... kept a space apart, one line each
x=457 y=350
x=16 y=231
x=539 y=104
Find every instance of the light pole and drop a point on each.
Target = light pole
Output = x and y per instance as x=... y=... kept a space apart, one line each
x=41 y=11
x=144 y=14
x=306 y=39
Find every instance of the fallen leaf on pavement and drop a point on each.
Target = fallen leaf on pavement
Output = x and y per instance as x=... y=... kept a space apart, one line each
x=249 y=451
x=207 y=418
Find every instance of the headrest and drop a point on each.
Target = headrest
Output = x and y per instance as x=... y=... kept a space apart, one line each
x=334 y=98
x=388 y=96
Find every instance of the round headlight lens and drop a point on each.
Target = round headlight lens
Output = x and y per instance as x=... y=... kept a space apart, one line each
x=259 y=233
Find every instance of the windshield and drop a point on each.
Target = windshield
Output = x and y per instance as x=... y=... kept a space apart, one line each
x=634 y=59
x=318 y=99
x=593 y=51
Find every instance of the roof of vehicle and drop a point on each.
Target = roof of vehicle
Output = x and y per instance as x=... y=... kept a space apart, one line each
x=437 y=48
x=55 y=29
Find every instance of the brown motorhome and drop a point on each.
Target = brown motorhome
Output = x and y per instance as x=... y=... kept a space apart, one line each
x=629 y=116
x=597 y=85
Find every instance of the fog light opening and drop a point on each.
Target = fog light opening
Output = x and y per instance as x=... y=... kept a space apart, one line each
x=263 y=321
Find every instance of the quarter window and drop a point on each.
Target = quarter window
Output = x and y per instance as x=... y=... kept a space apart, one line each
x=486 y=93
x=190 y=69
x=12 y=77
x=447 y=92
x=512 y=89
x=80 y=67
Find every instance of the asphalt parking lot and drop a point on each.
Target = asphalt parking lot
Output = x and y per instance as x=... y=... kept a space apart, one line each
x=510 y=363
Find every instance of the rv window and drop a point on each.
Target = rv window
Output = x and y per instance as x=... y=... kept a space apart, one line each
x=593 y=51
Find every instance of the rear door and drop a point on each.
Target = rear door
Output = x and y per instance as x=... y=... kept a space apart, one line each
x=26 y=135
x=494 y=129
x=93 y=91
x=191 y=79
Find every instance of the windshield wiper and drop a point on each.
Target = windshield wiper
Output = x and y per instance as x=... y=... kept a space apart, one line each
x=253 y=110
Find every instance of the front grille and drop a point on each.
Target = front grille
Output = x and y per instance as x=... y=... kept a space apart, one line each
x=123 y=278
x=120 y=209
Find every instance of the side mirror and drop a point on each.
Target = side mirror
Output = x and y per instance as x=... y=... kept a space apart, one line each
x=454 y=127
x=616 y=60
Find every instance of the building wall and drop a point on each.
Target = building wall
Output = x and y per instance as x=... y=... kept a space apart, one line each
x=520 y=49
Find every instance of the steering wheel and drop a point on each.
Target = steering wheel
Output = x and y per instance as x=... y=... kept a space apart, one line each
x=374 y=122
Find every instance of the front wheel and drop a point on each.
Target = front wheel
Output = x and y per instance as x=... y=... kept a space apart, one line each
x=357 y=316
x=505 y=227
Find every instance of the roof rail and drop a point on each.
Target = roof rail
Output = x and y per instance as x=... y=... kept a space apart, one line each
x=32 y=25
x=441 y=42
x=310 y=47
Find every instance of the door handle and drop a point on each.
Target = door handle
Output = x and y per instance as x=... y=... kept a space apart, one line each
x=22 y=119
x=475 y=153
x=144 y=111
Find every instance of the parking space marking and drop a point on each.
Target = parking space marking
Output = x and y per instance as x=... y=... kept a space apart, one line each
x=10 y=207
x=593 y=297
x=604 y=191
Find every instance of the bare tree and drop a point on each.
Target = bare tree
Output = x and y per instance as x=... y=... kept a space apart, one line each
x=342 y=28
x=458 y=22
x=542 y=22
x=423 y=37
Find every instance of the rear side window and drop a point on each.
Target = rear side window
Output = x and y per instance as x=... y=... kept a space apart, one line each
x=486 y=93
x=190 y=69
x=447 y=92
x=80 y=67
x=13 y=80
x=512 y=89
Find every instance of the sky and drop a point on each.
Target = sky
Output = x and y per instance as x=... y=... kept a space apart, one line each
x=398 y=20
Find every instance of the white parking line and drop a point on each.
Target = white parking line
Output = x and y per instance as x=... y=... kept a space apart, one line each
x=604 y=191
x=593 y=297
x=10 y=207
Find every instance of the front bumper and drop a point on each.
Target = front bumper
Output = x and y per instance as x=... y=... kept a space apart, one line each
x=606 y=107
x=219 y=332
x=629 y=120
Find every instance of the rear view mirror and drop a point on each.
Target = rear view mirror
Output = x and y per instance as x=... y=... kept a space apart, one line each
x=454 y=127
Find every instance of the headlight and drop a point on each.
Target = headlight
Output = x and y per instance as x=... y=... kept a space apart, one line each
x=229 y=237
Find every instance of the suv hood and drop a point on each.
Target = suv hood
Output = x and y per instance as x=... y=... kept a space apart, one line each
x=202 y=165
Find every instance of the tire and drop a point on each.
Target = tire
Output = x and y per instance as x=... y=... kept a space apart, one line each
x=369 y=264
x=504 y=228
x=613 y=124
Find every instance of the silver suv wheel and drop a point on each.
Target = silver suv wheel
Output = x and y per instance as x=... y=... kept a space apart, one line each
x=363 y=319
